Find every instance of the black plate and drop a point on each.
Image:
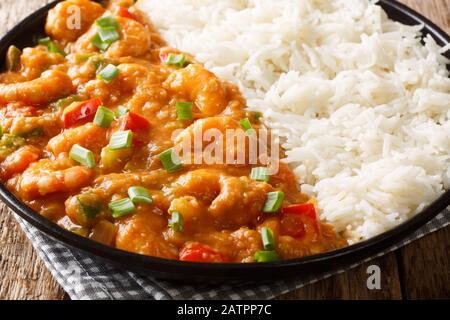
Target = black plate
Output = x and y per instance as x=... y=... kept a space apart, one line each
x=26 y=32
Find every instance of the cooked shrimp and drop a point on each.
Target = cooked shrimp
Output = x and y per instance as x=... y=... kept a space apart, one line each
x=201 y=86
x=49 y=176
x=18 y=161
x=134 y=40
x=52 y=85
x=36 y=60
x=62 y=23
x=89 y=136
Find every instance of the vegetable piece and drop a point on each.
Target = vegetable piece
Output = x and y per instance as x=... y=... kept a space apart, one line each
x=53 y=47
x=197 y=252
x=64 y=102
x=267 y=238
x=108 y=21
x=115 y=160
x=89 y=205
x=260 y=174
x=80 y=231
x=176 y=222
x=266 y=256
x=273 y=202
x=246 y=125
x=82 y=155
x=121 y=110
x=80 y=113
x=298 y=219
x=170 y=161
x=121 y=140
x=44 y=41
x=178 y=60
x=108 y=34
x=1 y=131
x=139 y=195
x=104 y=232
x=125 y=13
x=184 y=110
x=13 y=59
x=97 y=42
x=104 y=117
x=82 y=57
x=135 y=122
x=108 y=74
x=257 y=116
x=122 y=207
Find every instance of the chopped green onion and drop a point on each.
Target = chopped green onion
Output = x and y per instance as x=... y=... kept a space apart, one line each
x=108 y=34
x=97 y=42
x=104 y=117
x=246 y=125
x=109 y=21
x=170 y=161
x=274 y=201
x=1 y=131
x=176 y=222
x=81 y=57
x=53 y=47
x=121 y=110
x=178 y=60
x=121 y=140
x=108 y=74
x=260 y=174
x=44 y=41
x=267 y=238
x=90 y=209
x=64 y=102
x=121 y=207
x=266 y=256
x=13 y=58
x=140 y=195
x=82 y=155
x=184 y=110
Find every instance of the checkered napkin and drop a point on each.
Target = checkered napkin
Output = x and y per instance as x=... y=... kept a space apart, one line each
x=83 y=277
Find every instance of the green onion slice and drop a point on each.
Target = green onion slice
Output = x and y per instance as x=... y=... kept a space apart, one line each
x=108 y=74
x=82 y=155
x=1 y=131
x=178 y=60
x=266 y=256
x=140 y=195
x=53 y=47
x=246 y=125
x=260 y=174
x=104 y=117
x=108 y=35
x=267 y=238
x=121 y=207
x=44 y=41
x=176 y=222
x=109 y=21
x=121 y=110
x=81 y=57
x=273 y=202
x=170 y=161
x=184 y=110
x=97 y=42
x=121 y=140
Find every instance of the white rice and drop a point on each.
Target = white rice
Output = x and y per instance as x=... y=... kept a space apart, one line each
x=362 y=106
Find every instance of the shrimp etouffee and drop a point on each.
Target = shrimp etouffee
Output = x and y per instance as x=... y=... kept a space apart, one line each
x=90 y=118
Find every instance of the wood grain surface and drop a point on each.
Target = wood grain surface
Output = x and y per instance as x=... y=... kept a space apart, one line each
x=420 y=270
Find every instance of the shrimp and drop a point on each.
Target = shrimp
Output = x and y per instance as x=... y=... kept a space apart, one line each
x=18 y=161
x=227 y=196
x=36 y=60
x=49 y=176
x=135 y=40
x=89 y=136
x=201 y=86
x=52 y=85
x=61 y=18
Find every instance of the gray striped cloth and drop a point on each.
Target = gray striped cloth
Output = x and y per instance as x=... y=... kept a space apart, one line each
x=84 y=277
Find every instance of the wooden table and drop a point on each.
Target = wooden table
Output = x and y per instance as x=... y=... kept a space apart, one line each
x=420 y=270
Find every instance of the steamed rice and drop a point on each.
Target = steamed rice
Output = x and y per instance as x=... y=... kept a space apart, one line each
x=361 y=105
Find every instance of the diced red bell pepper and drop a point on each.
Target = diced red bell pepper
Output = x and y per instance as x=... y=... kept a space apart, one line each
x=136 y=123
x=125 y=13
x=297 y=219
x=197 y=252
x=80 y=113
